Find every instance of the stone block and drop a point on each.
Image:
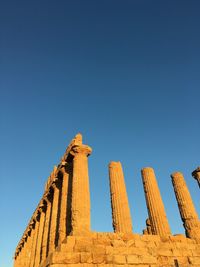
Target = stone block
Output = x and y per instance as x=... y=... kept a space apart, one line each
x=148 y=259
x=137 y=251
x=130 y=243
x=109 y=250
x=102 y=241
x=65 y=257
x=98 y=258
x=86 y=257
x=118 y=243
x=109 y=258
x=132 y=259
x=194 y=260
x=99 y=249
x=165 y=252
x=151 y=238
x=139 y=243
x=120 y=250
x=119 y=259
x=83 y=245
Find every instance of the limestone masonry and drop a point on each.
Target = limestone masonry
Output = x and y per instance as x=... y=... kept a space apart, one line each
x=59 y=232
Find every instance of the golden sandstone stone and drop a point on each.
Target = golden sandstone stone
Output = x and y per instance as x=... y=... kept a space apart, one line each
x=59 y=233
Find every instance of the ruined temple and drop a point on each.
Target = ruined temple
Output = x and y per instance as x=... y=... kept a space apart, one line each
x=59 y=232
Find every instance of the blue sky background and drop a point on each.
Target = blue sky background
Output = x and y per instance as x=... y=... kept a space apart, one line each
x=123 y=73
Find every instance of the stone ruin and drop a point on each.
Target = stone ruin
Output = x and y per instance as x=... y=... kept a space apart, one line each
x=59 y=232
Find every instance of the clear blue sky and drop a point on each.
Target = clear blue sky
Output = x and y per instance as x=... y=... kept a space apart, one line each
x=123 y=73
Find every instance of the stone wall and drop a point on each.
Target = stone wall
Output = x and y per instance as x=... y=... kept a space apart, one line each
x=110 y=249
x=59 y=233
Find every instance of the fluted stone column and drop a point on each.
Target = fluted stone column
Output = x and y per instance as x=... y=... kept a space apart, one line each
x=20 y=257
x=29 y=245
x=31 y=235
x=65 y=222
x=27 y=250
x=196 y=175
x=186 y=207
x=54 y=219
x=119 y=200
x=45 y=238
x=33 y=250
x=40 y=234
x=23 y=254
x=80 y=190
x=158 y=219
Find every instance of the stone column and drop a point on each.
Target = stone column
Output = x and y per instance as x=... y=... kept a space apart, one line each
x=40 y=234
x=23 y=254
x=80 y=190
x=196 y=175
x=33 y=250
x=16 y=260
x=65 y=219
x=19 y=257
x=27 y=250
x=119 y=200
x=186 y=207
x=53 y=234
x=158 y=219
x=45 y=238
x=29 y=244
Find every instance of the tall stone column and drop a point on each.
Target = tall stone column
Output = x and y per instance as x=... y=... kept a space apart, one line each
x=31 y=241
x=80 y=190
x=157 y=216
x=196 y=175
x=119 y=200
x=29 y=244
x=186 y=207
x=23 y=254
x=26 y=250
x=19 y=259
x=53 y=235
x=65 y=219
x=45 y=238
x=33 y=250
x=40 y=234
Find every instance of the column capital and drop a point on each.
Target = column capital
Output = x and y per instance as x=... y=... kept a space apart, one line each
x=42 y=206
x=81 y=149
x=196 y=173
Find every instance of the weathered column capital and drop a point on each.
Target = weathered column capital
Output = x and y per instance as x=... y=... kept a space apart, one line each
x=81 y=149
x=196 y=175
x=196 y=172
x=42 y=207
